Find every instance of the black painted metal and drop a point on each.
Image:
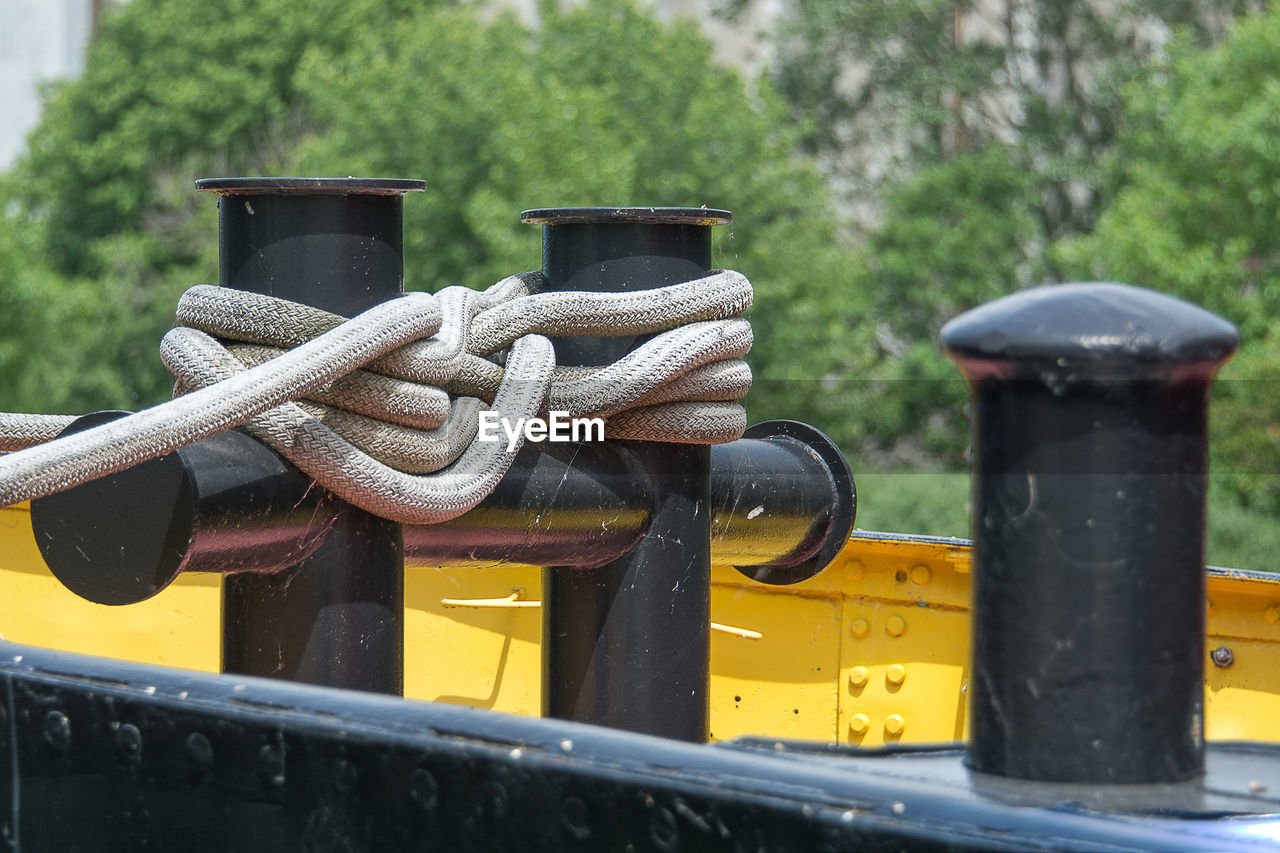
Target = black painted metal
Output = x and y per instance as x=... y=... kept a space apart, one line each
x=782 y=500
x=768 y=493
x=684 y=216
x=226 y=504
x=311 y=186
x=628 y=644
x=1089 y=410
x=107 y=755
x=218 y=506
x=784 y=496
x=783 y=505
x=337 y=617
x=332 y=243
x=583 y=504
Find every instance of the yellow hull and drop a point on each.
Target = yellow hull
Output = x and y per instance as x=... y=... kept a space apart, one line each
x=873 y=650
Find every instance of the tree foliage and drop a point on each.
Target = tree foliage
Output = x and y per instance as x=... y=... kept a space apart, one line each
x=889 y=86
x=600 y=104
x=168 y=87
x=1199 y=217
x=967 y=139
x=100 y=211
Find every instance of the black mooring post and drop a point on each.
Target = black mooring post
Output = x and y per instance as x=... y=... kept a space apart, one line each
x=628 y=645
x=336 y=618
x=1089 y=414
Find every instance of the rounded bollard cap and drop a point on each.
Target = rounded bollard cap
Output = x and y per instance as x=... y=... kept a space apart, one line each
x=1101 y=328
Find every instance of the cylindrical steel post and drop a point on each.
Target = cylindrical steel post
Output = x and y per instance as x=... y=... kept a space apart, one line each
x=337 y=617
x=585 y=504
x=1089 y=413
x=782 y=502
x=628 y=645
x=226 y=504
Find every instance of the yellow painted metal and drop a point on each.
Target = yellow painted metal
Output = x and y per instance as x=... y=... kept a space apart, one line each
x=177 y=628
x=872 y=651
x=1242 y=701
x=486 y=658
x=783 y=685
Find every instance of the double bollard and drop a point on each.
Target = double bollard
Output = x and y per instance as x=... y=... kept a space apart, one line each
x=314 y=587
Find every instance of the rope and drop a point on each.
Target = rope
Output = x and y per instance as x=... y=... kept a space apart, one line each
x=18 y=431
x=382 y=409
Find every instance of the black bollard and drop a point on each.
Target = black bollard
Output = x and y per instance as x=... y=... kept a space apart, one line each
x=628 y=644
x=782 y=499
x=337 y=618
x=1089 y=457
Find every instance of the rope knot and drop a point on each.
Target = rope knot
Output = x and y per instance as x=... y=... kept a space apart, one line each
x=383 y=409
x=397 y=432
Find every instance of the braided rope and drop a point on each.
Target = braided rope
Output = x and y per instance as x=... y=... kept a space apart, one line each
x=382 y=409
x=21 y=430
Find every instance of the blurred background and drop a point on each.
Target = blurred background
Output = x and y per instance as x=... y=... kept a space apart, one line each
x=890 y=163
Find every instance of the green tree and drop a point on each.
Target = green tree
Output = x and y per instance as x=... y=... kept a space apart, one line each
x=967 y=139
x=591 y=107
x=103 y=200
x=888 y=87
x=600 y=104
x=169 y=87
x=953 y=237
x=1198 y=215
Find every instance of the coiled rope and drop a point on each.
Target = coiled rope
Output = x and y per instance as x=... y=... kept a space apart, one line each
x=382 y=409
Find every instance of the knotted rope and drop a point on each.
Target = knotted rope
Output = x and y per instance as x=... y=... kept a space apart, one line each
x=382 y=409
